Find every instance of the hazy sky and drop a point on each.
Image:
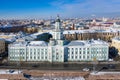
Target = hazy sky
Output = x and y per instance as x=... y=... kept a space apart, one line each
x=66 y=8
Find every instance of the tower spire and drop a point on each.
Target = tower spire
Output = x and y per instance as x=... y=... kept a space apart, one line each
x=58 y=18
x=58 y=31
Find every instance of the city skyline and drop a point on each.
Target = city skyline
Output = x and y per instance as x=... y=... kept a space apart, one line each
x=66 y=8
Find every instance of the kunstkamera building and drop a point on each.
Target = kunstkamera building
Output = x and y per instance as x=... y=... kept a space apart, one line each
x=58 y=49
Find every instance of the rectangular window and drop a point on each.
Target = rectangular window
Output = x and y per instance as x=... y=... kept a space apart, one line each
x=72 y=57
x=34 y=57
x=72 y=52
x=76 y=52
x=80 y=52
x=80 y=57
x=88 y=57
x=83 y=56
x=83 y=52
x=76 y=49
x=46 y=57
x=88 y=52
x=75 y=56
x=68 y=50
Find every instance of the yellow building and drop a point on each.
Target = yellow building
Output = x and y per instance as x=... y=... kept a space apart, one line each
x=105 y=35
x=2 y=46
x=116 y=43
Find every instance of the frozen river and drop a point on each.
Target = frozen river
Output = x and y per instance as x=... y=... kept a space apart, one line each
x=57 y=78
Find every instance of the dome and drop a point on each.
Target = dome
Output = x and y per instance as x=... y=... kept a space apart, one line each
x=58 y=19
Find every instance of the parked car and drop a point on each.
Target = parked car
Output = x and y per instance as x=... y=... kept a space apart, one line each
x=86 y=69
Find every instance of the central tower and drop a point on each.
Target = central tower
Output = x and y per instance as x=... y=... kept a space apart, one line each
x=58 y=24
x=58 y=33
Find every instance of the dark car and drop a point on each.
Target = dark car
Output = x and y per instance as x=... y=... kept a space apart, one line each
x=11 y=71
x=111 y=66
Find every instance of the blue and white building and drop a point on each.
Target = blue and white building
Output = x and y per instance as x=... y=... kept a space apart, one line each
x=58 y=49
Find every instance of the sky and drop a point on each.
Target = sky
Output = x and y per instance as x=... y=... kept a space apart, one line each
x=65 y=8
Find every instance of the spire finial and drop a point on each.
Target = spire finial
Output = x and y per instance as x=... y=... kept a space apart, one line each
x=57 y=16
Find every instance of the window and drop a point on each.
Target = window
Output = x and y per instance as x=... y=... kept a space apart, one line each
x=88 y=57
x=34 y=57
x=34 y=53
x=46 y=57
x=76 y=52
x=46 y=53
x=72 y=52
x=76 y=49
x=87 y=48
x=88 y=52
x=75 y=56
x=83 y=56
x=79 y=56
x=83 y=52
x=80 y=52
x=72 y=49
x=72 y=57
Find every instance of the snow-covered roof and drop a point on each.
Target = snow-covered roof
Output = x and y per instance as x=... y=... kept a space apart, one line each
x=87 y=43
x=116 y=38
x=88 y=31
x=18 y=44
x=38 y=43
x=76 y=43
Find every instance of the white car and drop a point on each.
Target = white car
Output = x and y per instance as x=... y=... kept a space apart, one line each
x=86 y=69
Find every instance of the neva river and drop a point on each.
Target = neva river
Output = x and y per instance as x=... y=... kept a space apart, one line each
x=57 y=78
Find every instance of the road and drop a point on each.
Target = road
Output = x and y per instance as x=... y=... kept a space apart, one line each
x=106 y=66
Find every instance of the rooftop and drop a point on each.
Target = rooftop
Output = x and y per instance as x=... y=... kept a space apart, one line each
x=87 y=42
x=116 y=38
x=89 y=31
x=38 y=43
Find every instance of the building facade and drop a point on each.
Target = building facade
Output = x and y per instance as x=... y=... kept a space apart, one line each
x=116 y=43
x=105 y=35
x=58 y=49
x=2 y=46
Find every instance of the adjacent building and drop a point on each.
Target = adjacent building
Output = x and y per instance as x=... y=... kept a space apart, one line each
x=58 y=49
x=105 y=35
x=116 y=43
x=2 y=46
